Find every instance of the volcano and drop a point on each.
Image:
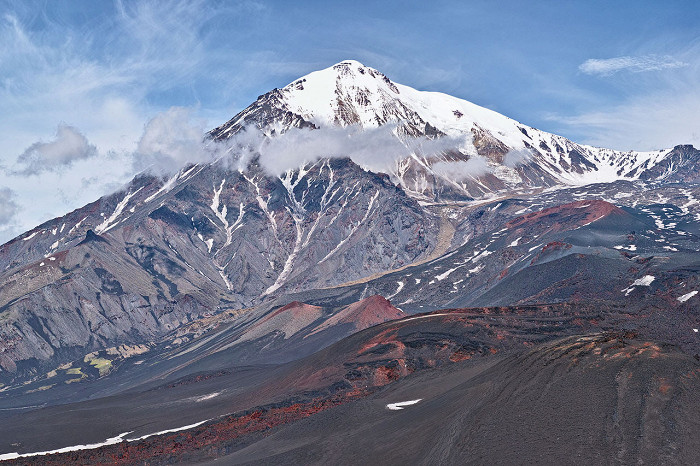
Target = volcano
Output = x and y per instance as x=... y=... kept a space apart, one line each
x=508 y=293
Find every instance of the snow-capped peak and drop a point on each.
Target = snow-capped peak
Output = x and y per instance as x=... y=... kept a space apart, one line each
x=350 y=93
x=343 y=94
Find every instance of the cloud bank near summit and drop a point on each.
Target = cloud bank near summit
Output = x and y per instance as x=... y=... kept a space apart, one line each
x=175 y=138
x=172 y=139
x=169 y=141
x=376 y=149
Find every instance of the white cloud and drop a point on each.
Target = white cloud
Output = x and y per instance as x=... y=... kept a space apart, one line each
x=462 y=169
x=639 y=64
x=375 y=149
x=67 y=147
x=8 y=206
x=643 y=111
x=240 y=150
x=50 y=77
x=658 y=111
x=170 y=140
x=8 y=213
x=517 y=157
x=652 y=122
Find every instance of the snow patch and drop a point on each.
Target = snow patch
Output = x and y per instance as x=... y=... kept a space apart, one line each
x=481 y=255
x=169 y=431
x=644 y=281
x=207 y=397
x=687 y=296
x=30 y=236
x=398 y=406
x=109 y=222
x=167 y=186
x=110 y=441
x=398 y=290
x=443 y=276
x=354 y=228
x=76 y=226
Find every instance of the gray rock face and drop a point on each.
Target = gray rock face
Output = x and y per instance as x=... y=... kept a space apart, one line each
x=563 y=245
x=142 y=262
x=681 y=165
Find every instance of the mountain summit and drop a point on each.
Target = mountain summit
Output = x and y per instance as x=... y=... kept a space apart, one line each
x=512 y=154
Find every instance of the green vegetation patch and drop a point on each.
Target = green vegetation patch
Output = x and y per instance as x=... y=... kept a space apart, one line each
x=101 y=364
x=75 y=371
x=42 y=388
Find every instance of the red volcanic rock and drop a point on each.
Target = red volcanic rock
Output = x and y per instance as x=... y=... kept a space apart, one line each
x=556 y=246
x=565 y=217
x=288 y=319
x=378 y=356
x=371 y=311
x=550 y=248
x=384 y=375
x=363 y=314
x=209 y=440
x=296 y=307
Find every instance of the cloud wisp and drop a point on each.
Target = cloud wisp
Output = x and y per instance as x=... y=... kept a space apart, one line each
x=462 y=170
x=8 y=207
x=660 y=117
x=170 y=140
x=517 y=157
x=9 y=210
x=376 y=149
x=173 y=139
x=69 y=146
x=639 y=64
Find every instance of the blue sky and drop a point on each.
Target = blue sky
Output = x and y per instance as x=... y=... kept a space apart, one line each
x=621 y=74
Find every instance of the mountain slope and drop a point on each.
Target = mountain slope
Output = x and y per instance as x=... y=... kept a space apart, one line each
x=581 y=400
x=600 y=395
x=213 y=239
